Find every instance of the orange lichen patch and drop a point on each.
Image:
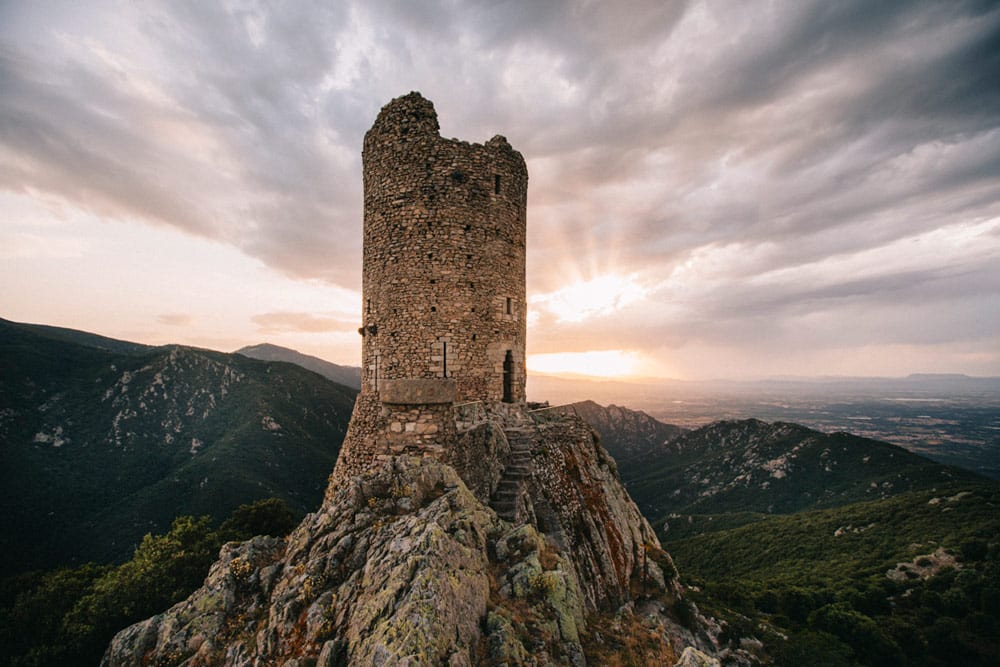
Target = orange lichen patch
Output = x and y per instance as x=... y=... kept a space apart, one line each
x=596 y=504
x=625 y=642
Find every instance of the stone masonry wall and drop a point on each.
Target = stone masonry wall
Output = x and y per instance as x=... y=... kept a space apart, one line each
x=419 y=429
x=444 y=262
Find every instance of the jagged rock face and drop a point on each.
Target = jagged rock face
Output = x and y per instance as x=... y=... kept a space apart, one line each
x=576 y=495
x=371 y=578
x=405 y=565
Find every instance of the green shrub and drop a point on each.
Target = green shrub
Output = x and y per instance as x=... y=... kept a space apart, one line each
x=811 y=648
x=684 y=610
x=68 y=616
x=270 y=516
x=974 y=549
x=870 y=644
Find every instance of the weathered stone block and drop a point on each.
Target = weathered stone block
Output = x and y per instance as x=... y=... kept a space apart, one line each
x=417 y=391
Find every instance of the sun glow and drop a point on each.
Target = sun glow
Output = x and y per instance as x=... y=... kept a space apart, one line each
x=598 y=363
x=590 y=298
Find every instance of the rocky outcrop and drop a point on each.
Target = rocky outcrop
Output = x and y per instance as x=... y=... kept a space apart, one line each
x=406 y=565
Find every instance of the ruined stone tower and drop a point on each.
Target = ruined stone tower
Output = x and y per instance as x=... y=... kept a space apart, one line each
x=443 y=283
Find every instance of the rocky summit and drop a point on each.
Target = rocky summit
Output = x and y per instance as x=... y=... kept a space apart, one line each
x=410 y=564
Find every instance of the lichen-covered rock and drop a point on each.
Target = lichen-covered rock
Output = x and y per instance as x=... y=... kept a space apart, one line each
x=404 y=565
x=692 y=657
x=375 y=577
x=577 y=496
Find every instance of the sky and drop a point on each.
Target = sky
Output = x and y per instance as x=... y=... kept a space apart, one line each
x=717 y=189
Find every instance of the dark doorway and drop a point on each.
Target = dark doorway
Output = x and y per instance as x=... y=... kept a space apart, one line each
x=508 y=375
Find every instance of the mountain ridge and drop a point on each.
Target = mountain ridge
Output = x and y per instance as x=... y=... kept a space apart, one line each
x=97 y=442
x=349 y=376
x=778 y=468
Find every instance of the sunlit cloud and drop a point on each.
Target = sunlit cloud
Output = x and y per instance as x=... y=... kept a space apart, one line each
x=590 y=298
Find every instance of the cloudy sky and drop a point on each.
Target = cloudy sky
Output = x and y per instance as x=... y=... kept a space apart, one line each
x=717 y=189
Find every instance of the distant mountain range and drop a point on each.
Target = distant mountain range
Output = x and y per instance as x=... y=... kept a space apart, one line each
x=116 y=437
x=102 y=441
x=349 y=376
x=745 y=468
x=636 y=391
x=778 y=468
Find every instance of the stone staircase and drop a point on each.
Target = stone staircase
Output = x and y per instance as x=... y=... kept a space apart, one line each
x=504 y=501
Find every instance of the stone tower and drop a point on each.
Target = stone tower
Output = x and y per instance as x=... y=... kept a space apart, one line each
x=443 y=283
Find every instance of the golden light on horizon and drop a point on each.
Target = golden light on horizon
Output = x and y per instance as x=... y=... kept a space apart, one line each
x=596 y=363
